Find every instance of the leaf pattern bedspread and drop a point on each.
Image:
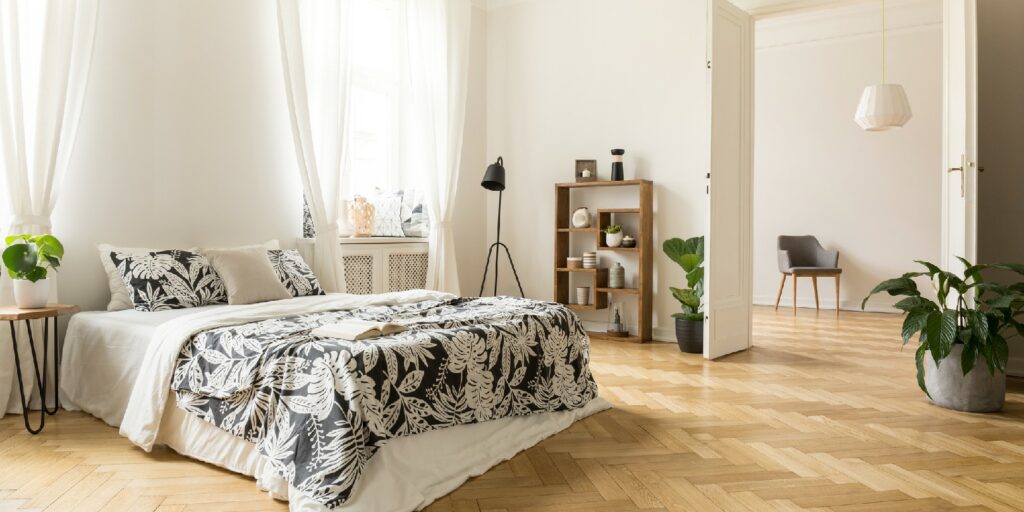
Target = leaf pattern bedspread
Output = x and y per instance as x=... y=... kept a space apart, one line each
x=318 y=408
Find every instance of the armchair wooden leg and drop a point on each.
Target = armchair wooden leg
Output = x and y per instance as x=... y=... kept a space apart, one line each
x=778 y=297
x=795 y=286
x=837 y=295
x=814 y=281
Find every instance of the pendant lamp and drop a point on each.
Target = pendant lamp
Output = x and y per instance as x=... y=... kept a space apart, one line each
x=885 y=105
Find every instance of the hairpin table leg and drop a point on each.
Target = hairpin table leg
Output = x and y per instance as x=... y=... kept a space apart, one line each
x=21 y=383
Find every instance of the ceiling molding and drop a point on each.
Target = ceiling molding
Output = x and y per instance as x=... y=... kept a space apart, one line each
x=851 y=20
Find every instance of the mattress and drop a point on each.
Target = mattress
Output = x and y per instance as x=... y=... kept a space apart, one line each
x=103 y=352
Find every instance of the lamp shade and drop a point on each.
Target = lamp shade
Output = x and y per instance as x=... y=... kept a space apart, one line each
x=882 y=107
x=494 y=177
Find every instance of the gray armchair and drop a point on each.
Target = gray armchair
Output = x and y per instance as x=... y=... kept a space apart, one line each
x=803 y=256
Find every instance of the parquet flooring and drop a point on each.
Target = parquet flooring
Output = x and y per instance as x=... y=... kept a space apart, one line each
x=823 y=414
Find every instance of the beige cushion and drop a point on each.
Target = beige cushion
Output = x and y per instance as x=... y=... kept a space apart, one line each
x=268 y=245
x=247 y=275
x=119 y=298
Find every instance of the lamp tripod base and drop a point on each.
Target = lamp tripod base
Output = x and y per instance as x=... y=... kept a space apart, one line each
x=496 y=248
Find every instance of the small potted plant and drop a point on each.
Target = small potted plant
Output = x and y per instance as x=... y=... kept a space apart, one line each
x=28 y=259
x=613 y=235
x=961 y=359
x=689 y=254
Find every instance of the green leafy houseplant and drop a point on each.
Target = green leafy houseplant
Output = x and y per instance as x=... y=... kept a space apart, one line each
x=612 y=229
x=689 y=254
x=29 y=257
x=982 y=329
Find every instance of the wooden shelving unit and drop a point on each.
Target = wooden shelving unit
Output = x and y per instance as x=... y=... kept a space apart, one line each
x=643 y=253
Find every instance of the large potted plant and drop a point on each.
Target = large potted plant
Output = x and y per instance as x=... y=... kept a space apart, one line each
x=689 y=254
x=961 y=359
x=28 y=259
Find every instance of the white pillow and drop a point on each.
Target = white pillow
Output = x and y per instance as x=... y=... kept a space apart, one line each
x=247 y=274
x=387 y=219
x=269 y=245
x=119 y=298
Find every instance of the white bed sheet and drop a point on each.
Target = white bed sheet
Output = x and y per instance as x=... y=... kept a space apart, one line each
x=103 y=352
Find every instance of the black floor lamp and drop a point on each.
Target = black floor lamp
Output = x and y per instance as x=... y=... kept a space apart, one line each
x=494 y=180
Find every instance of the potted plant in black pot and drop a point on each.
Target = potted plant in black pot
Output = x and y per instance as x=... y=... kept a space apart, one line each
x=961 y=359
x=689 y=254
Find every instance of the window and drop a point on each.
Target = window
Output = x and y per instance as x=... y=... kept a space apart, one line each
x=372 y=145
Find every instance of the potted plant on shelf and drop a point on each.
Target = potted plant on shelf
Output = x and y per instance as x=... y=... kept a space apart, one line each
x=613 y=235
x=28 y=259
x=961 y=359
x=689 y=254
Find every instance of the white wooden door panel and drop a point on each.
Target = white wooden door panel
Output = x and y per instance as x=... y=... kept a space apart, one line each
x=960 y=133
x=727 y=328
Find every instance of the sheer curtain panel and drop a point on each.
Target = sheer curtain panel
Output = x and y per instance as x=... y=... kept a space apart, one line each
x=45 y=51
x=315 y=54
x=437 y=61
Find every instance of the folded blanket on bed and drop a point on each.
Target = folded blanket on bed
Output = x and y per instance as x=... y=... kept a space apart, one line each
x=318 y=408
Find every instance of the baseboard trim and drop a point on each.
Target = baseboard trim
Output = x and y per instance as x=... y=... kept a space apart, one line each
x=877 y=305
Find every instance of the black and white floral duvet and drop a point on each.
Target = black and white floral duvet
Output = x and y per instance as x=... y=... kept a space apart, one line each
x=319 y=408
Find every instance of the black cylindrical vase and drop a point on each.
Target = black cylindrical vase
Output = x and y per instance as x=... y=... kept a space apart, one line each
x=617 y=173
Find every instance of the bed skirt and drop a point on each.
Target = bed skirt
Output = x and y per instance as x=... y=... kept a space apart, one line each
x=396 y=478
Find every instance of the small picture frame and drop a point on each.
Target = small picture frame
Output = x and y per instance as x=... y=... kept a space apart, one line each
x=586 y=170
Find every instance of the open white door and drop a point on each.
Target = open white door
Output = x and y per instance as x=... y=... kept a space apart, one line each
x=960 y=134
x=727 y=326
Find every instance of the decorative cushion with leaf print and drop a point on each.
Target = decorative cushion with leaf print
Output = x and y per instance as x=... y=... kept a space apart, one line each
x=294 y=273
x=171 y=279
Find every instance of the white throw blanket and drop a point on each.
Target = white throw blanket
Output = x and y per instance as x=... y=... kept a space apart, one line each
x=152 y=388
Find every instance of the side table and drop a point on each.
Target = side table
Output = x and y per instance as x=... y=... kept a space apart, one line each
x=14 y=314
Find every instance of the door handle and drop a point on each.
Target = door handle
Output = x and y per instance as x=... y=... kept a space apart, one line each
x=963 y=163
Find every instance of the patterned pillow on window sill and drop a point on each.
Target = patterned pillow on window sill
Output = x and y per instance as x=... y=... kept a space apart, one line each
x=388 y=215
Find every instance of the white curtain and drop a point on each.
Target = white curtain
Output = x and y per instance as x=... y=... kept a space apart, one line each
x=437 y=61
x=45 y=51
x=315 y=56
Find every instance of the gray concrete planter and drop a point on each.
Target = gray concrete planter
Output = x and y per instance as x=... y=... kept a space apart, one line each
x=978 y=391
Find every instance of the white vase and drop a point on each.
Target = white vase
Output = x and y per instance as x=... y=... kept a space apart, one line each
x=29 y=295
x=581 y=218
x=613 y=239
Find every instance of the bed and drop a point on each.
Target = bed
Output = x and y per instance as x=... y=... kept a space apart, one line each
x=166 y=378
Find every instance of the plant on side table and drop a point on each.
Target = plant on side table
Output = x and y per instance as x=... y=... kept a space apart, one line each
x=961 y=361
x=28 y=259
x=689 y=254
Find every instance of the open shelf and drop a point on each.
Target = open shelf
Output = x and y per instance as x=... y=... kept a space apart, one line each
x=640 y=224
x=601 y=335
x=629 y=291
x=603 y=183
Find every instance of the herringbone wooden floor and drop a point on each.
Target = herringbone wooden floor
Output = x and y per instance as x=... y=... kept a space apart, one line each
x=823 y=414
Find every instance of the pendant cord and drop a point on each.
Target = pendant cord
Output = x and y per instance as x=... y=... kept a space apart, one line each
x=883 y=42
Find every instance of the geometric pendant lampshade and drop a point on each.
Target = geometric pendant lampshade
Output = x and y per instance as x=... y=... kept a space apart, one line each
x=882 y=107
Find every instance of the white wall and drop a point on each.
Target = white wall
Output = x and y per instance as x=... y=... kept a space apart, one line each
x=572 y=79
x=1000 y=132
x=184 y=138
x=873 y=196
